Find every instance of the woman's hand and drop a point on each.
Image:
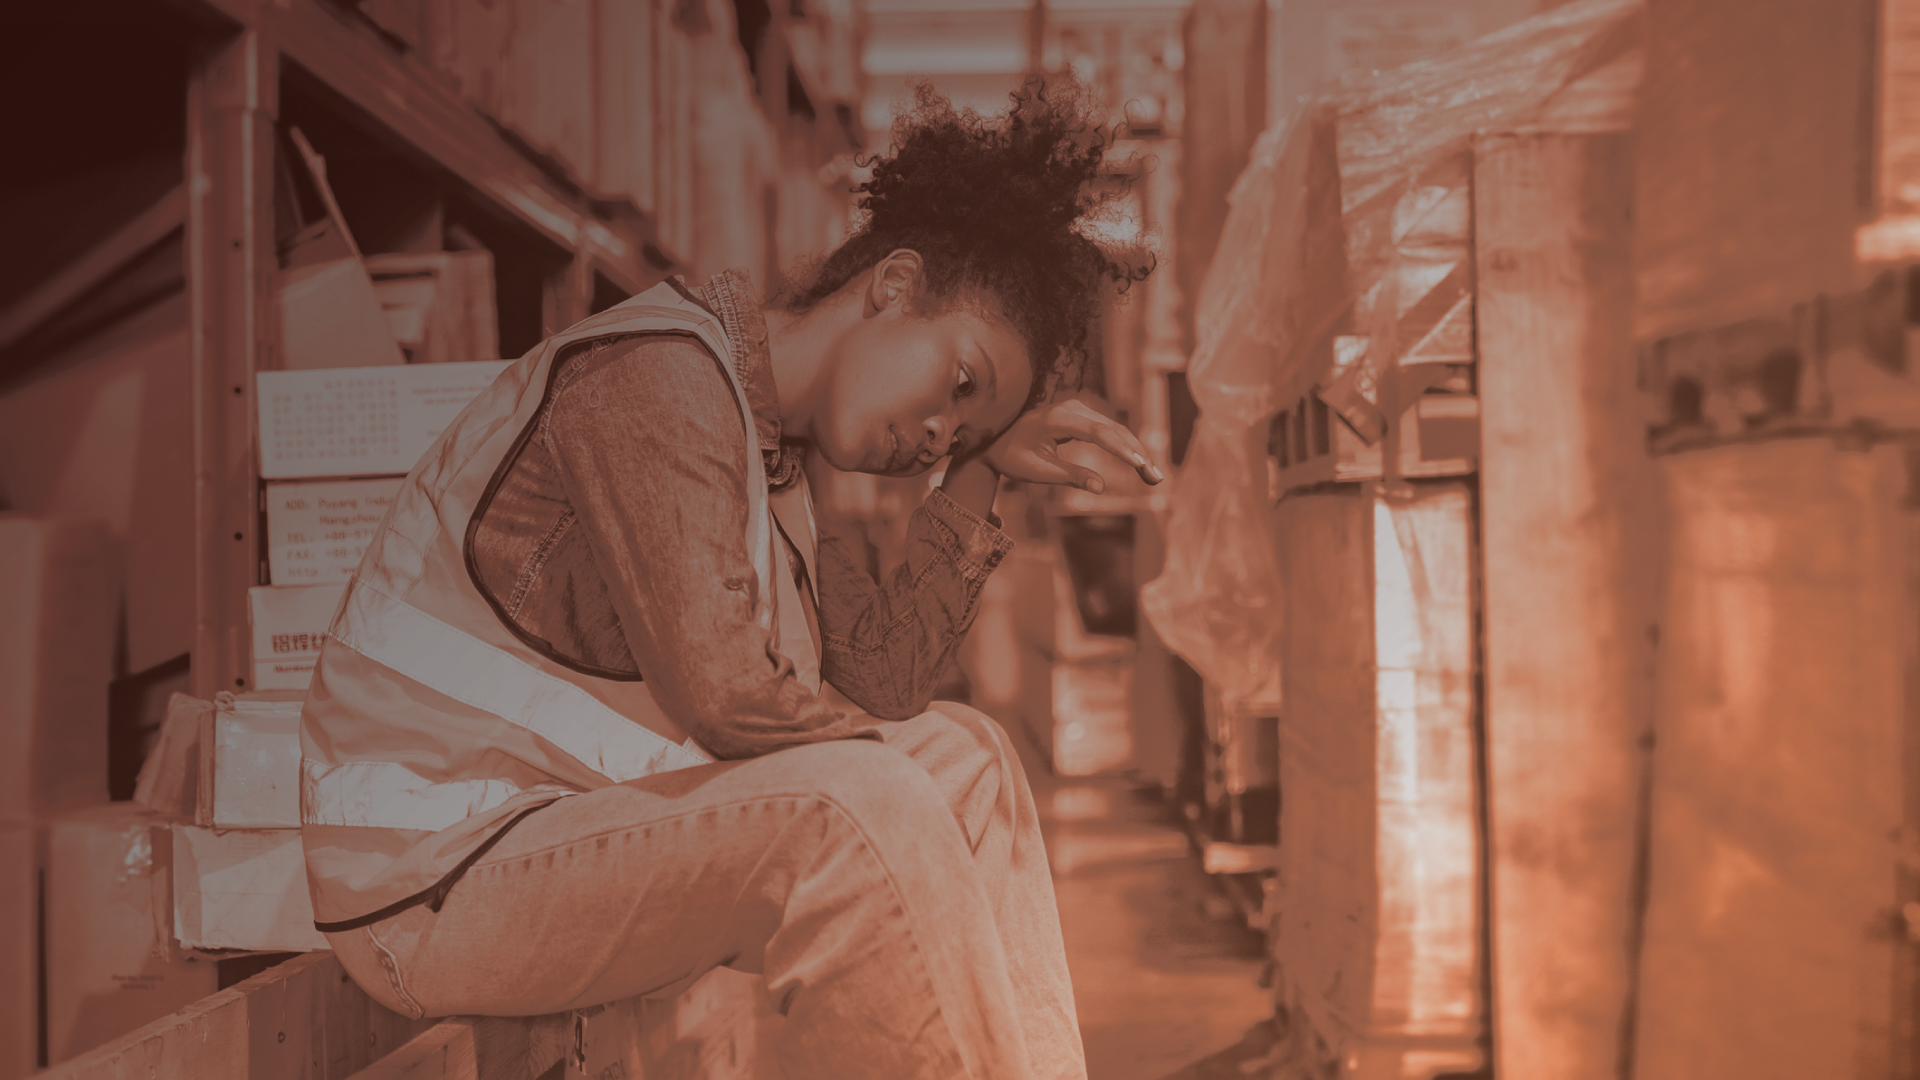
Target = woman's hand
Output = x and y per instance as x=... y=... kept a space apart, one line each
x=1029 y=449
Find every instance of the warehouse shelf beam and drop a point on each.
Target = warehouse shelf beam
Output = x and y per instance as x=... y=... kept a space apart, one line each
x=403 y=94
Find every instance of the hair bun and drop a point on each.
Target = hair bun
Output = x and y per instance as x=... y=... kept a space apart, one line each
x=951 y=169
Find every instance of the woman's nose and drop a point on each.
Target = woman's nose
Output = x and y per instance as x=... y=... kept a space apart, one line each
x=939 y=439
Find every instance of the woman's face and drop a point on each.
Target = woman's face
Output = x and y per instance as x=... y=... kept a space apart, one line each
x=906 y=391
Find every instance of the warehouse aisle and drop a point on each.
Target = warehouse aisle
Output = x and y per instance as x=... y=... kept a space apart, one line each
x=1165 y=976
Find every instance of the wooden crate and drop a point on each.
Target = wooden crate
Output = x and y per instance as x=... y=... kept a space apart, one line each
x=301 y=1020
x=1437 y=435
x=1570 y=519
x=1379 y=927
x=1773 y=915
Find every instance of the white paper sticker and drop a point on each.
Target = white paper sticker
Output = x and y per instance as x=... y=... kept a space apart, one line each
x=365 y=421
x=317 y=530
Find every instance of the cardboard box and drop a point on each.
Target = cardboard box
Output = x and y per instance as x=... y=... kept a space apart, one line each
x=59 y=602
x=169 y=780
x=290 y=624
x=364 y=421
x=317 y=530
x=330 y=317
x=110 y=964
x=439 y=305
x=242 y=889
x=250 y=762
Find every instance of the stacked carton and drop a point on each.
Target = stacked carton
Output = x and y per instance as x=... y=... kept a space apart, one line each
x=381 y=353
x=82 y=881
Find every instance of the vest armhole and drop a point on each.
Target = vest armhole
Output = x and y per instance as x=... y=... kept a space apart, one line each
x=468 y=543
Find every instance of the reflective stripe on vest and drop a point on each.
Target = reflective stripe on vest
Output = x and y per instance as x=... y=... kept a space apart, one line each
x=468 y=670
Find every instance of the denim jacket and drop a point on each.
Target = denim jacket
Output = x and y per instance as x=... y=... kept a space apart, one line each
x=615 y=537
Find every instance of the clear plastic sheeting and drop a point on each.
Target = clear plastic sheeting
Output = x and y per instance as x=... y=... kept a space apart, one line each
x=1344 y=271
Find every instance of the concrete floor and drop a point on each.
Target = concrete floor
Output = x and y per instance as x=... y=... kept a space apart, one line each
x=1165 y=973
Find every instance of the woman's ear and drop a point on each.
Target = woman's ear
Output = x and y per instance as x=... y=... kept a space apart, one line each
x=893 y=280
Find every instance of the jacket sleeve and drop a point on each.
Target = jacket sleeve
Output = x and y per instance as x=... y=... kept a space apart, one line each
x=652 y=455
x=887 y=643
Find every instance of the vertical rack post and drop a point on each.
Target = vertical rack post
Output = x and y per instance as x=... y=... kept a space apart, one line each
x=231 y=101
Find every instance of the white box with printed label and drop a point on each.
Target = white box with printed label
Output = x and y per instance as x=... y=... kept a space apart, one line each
x=289 y=625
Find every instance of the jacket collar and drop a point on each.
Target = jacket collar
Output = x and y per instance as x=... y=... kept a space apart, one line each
x=730 y=296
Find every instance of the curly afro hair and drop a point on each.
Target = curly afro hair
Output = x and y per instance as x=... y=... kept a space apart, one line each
x=999 y=211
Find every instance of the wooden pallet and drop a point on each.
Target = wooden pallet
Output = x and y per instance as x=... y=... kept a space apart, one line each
x=307 y=1020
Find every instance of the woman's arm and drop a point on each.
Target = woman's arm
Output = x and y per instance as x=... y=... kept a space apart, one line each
x=652 y=457
x=889 y=643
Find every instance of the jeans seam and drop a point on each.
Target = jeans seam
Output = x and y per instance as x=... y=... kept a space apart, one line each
x=391 y=964
x=900 y=898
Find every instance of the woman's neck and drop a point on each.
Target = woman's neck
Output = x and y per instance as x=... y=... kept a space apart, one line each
x=799 y=347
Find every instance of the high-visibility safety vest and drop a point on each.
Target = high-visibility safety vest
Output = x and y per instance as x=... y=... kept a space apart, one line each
x=431 y=726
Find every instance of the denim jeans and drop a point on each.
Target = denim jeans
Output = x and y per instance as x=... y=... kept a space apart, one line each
x=895 y=895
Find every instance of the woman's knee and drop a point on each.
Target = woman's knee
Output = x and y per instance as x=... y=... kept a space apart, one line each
x=864 y=778
x=973 y=727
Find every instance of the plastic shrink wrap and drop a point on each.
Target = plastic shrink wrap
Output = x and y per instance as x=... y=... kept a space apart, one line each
x=1344 y=272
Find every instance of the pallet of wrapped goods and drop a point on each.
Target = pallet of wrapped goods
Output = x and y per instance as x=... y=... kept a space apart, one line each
x=1775 y=327
x=1339 y=328
x=1336 y=322
x=111 y=964
x=1379 y=914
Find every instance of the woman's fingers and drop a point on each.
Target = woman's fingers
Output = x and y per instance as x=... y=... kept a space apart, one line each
x=1043 y=467
x=1076 y=421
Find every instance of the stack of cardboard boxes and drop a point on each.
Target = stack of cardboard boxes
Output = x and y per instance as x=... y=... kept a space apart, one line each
x=84 y=885
x=116 y=913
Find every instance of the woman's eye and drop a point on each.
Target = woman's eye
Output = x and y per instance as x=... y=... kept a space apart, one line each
x=964 y=388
